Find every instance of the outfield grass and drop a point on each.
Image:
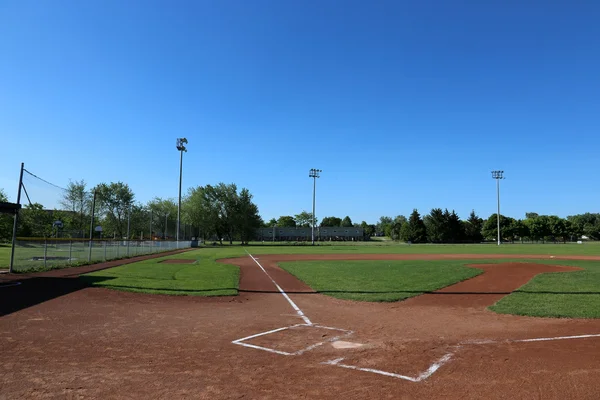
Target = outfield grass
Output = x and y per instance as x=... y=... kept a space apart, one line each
x=4 y=256
x=378 y=280
x=204 y=278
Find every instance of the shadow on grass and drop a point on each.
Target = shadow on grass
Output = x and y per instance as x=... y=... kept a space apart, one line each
x=95 y=280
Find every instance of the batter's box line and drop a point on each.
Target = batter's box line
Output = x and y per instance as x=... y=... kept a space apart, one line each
x=422 y=376
x=242 y=341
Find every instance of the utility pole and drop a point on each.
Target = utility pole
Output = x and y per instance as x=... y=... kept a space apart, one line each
x=497 y=175
x=181 y=142
x=314 y=173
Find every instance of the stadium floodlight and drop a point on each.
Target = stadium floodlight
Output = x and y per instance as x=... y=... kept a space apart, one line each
x=314 y=173
x=497 y=175
x=181 y=142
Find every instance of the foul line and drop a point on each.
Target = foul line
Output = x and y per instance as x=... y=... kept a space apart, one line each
x=294 y=306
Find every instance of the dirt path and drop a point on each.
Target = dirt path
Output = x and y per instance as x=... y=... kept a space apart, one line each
x=97 y=343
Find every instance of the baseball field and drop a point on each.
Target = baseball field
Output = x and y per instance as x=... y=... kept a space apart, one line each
x=331 y=321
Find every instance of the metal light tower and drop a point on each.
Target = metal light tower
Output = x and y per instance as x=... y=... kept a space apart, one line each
x=314 y=173
x=181 y=142
x=497 y=175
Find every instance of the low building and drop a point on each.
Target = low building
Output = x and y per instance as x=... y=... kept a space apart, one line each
x=322 y=233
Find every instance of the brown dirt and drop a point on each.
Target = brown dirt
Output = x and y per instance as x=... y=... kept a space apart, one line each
x=177 y=261
x=97 y=343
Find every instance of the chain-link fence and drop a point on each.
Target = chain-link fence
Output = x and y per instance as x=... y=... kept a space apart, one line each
x=35 y=254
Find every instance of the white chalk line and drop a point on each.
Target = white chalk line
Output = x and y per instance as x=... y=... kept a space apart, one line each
x=422 y=376
x=542 y=339
x=294 y=306
x=295 y=353
x=436 y=365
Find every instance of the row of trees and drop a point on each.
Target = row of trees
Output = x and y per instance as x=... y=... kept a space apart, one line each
x=443 y=226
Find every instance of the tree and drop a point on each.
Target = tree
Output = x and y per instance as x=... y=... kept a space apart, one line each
x=557 y=228
x=396 y=227
x=305 y=219
x=34 y=221
x=539 y=228
x=473 y=227
x=414 y=231
x=248 y=220
x=519 y=229
x=114 y=201
x=286 y=221
x=346 y=222
x=531 y=215
x=223 y=212
x=6 y=221
x=331 y=222
x=455 y=231
x=368 y=230
x=78 y=201
x=164 y=212
x=384 y=225
x=272 y=222
x=436 y=225
x=490 y=227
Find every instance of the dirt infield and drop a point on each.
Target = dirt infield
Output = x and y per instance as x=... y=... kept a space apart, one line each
x=97 y=343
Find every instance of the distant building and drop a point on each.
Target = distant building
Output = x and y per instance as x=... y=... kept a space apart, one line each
x=322 y=233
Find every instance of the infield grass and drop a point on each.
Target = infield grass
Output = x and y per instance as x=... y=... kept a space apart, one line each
x=566 y=294
x=559 y=294
x=203 y=278
x=378 y=280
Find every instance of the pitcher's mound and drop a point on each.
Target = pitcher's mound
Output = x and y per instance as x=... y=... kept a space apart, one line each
x=177 y=261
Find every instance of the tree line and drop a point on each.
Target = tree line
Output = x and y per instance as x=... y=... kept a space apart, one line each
x=443 y=226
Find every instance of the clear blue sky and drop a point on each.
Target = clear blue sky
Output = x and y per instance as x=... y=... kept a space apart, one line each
x=402 y=104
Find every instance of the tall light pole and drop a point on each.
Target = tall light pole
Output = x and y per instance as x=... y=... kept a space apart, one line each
x=181 y=142
x=314 y=173
x=497 y=175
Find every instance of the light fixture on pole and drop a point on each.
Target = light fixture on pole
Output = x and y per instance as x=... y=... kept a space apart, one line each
x=181 y=142
x=497 y=175
x=314 y=173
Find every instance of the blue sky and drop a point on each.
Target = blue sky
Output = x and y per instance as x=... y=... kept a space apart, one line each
x=402 y=104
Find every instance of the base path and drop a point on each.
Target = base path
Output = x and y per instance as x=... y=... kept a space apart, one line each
x=98 y=343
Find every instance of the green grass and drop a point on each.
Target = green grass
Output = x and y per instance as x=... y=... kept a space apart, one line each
x=378 y=280
x=565 y=295
x=571 y=294
x=4 y=256
x=204 y=278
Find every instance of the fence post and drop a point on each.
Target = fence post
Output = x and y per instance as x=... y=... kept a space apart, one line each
x=104 y=244
x=70 y=251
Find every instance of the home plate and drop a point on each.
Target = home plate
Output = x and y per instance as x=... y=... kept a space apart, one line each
x=340 y=344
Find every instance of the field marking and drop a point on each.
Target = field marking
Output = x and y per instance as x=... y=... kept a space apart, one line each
x=295 y=353
x=294 y=306
x=422 y=376
x=542 y=339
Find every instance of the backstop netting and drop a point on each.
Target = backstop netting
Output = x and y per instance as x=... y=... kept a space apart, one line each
x=63 y=226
